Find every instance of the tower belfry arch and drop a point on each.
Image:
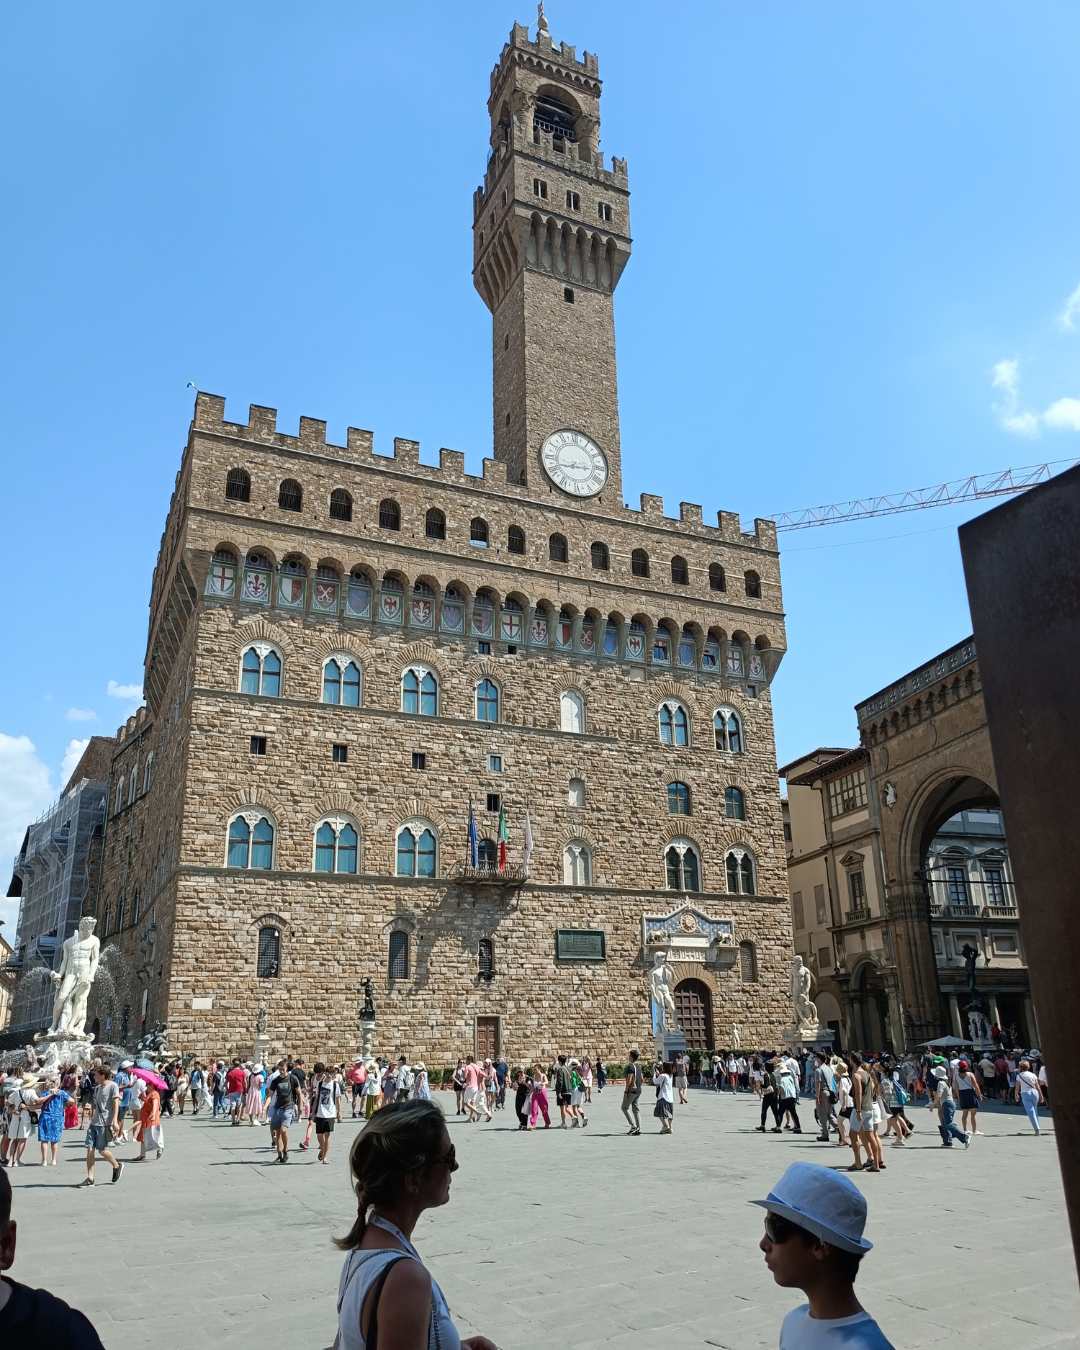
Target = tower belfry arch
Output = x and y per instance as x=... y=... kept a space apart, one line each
x=551 y=236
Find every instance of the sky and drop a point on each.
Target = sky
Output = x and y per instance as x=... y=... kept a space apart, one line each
x=856 y=269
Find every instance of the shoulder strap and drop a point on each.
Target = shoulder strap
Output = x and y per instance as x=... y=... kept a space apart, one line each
x=374 y=1293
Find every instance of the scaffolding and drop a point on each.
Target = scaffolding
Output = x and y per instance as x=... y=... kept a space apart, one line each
x=51 y=874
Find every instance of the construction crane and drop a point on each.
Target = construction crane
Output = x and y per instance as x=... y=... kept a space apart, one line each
x=977 y=486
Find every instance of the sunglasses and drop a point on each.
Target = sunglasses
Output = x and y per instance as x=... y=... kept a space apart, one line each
x=778 y=1229
x=449 y=1159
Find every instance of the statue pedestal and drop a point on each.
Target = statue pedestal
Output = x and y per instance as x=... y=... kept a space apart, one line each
x=668 y=1044
x=808 y=1038
x=260 y=1053
x=367 y=1038
x=54 y=1050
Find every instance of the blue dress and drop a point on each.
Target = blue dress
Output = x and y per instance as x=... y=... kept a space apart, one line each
x=50 y=1128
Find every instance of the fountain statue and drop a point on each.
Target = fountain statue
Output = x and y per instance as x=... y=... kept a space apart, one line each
x=78 y=966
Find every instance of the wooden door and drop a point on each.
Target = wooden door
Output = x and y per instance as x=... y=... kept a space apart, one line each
x=487 y=1038
x=693 y=1011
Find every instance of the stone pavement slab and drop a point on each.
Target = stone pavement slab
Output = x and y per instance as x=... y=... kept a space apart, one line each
x=578 y=1237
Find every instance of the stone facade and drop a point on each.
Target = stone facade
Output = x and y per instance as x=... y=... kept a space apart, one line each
x=286 y=549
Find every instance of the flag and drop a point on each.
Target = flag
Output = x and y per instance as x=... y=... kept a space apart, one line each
x=504 y=835
x=474 y=839
x=526 y=856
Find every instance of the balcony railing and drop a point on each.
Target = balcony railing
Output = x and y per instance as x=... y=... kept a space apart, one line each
x=513 y=874
x=974 y=898
x=857 y=914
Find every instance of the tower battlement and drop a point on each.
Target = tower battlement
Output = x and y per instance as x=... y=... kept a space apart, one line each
x=520 y=48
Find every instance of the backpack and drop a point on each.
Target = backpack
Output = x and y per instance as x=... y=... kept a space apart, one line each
x=900 y=1097
x=283 y=1092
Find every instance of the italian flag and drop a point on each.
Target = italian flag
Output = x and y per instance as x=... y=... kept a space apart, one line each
x=504 y=835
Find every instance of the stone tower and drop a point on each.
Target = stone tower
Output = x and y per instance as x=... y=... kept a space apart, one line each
x=551 y=235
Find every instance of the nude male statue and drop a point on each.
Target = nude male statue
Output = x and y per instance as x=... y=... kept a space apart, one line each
x=78 y=966
x=661 y=986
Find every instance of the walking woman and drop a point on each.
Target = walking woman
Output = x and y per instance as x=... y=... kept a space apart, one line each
x=601 y=1075
x=587 y=1077
x=50 y=1126
x=459 y=1086
x=970 y=1095
x=401 y=1165
x=421 y=1091
x=681 y=1080
x=539 y=1103
x=769 y=1101
x=664 y=1110
x=844 y=1107
x=888 y=1092
x=1028 y=1092
x=863 y=1123
x=253 y=1098
x=183 y=1083
x=787 y=1091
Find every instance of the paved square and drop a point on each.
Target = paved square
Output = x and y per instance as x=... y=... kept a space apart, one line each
x=583 y=1238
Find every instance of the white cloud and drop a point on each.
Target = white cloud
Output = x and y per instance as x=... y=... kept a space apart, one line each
x=72 y=754
x=26 y=789
x=1062 y=415
x=130 y=693
x=81 y=715
x=1069 y=315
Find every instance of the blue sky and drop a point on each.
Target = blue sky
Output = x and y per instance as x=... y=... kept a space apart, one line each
x=855 y=247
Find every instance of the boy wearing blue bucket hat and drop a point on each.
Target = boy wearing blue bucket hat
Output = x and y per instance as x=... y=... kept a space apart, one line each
x=814 y=1221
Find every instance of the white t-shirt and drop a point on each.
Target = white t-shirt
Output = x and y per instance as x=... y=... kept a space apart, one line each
x=800 y=1331
x=1027 y=1080
x=329 y=1090
x=663 y=1082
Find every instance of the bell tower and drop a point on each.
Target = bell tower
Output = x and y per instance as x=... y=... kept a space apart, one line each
x=551 y=236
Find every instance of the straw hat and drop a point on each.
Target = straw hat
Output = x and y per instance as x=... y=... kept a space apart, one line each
x=421 y=1065
x=30 y=1080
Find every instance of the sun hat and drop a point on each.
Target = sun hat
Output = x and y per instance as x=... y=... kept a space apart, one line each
x=940 y=1072
x=823 y=1202
x=127 y=1063
x=30 y=1080
x=421 y=1065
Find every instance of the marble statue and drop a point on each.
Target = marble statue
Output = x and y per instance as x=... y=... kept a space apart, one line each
x=78 y=966
x=260 y=1020
x=736 y=1035
x=978 y=1026
x=806 y=1014
x=662 y=991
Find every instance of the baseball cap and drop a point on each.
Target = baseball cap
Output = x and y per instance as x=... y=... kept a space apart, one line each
x=823 y=1202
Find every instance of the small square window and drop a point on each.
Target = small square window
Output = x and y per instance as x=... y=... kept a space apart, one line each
x=483 y=647
x=494 y=763
x=419 y=759
x=493 y=802
x=603 y=210
x=511 y=650
x=573 y=201
x=339 y=753
x=751 y=691
x=258 y=745
x=568 y=294
x=540 y=189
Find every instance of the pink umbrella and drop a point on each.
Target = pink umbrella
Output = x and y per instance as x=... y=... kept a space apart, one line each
x=149 y=1076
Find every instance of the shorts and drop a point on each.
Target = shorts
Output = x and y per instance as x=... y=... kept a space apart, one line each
x=97 y=1138
x=281 y=1118
x=968 y=1100
x=233 y=1100
x=357 y=1090
x=324 y=1126
x=867 y=1122
x=563 y=1098
x=896 y=1110
x=471 y=1094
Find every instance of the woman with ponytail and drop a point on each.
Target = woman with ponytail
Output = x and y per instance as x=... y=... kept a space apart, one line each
x=401 y=1164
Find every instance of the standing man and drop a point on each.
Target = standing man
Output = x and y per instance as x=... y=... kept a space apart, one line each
x=104 y=1124
x=217 y=1088
x=284 y=1096
x=632 y=1094
x=824 y=1094
x=235 y=1087
x=563 y=1090
x=501 y=1071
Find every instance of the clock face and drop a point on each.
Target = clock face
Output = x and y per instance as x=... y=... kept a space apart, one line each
x=574 y=463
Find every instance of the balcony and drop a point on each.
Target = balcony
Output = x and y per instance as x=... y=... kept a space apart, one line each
x=971 y=898
x=857 y=914
x=513 y=874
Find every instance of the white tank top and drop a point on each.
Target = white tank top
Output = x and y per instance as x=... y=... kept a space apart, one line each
x=361 y=1270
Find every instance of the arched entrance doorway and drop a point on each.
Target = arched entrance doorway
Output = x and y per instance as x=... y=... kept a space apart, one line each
x=693 y=1010
x=869 y=1009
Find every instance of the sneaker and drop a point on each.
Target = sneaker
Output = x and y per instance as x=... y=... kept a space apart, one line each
x=967 y=1140
x=89 y=1181
x=117 y=1172
x=160 y=1152
x=760 y=1129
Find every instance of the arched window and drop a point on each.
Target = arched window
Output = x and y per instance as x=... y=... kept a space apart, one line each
x=340 y=504
x=336 y=845
x=577 y=863
x=257 y=578
x=148 y=772
x=478 y=532
x=739 y=864
x=680 y=573
x=485 y=958
x=251 y=841
x=515 y=539
x=487 y=701
x=727 y=730
x=674 y=723
x=290 y=495
x=557 y=549
x=397 y=965
x=132 y=780
x=717 y=579
x=571 y=712
x=753 y=585
x=416 y=850
x=389 y=514
x=268 y=961
x=260 y=670
x=118 y=797
x=601 y=558
x=678 y=799
x=734 y=803
x=420 y=691
x=435 y=524
x=341 y=682
x=238 y=486
x=747 y=963
x=575 y=792
x=639 y=563
x=221 y=578
x=487 y=854
x=682 y=866
x=292 y=583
